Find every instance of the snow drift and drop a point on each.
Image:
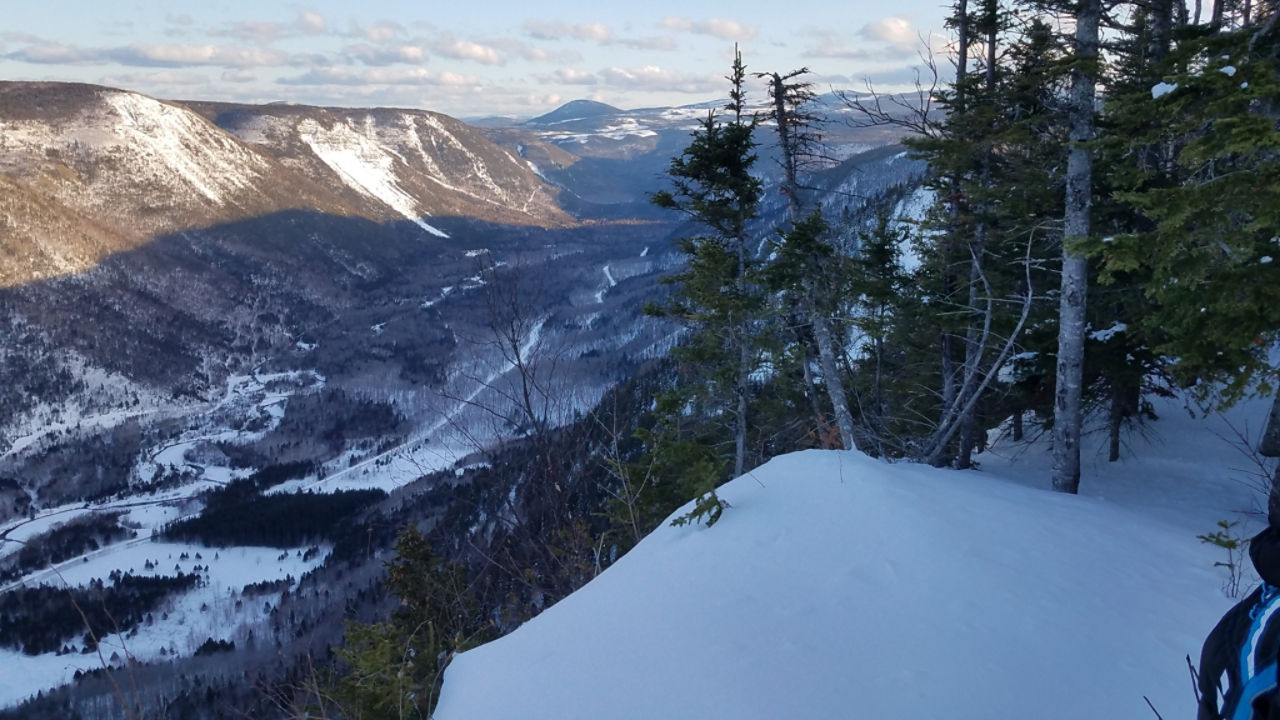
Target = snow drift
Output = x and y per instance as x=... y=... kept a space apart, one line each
x=840 y=586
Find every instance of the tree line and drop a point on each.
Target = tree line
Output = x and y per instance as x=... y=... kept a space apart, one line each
x=1104 y=227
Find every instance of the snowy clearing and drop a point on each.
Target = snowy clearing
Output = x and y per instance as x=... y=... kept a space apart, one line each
x=214 y=609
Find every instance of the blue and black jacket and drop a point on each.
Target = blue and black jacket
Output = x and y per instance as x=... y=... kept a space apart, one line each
x=1238 y=664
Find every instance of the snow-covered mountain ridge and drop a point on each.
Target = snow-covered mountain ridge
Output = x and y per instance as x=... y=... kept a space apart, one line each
x=836 y=585
x=92 y=170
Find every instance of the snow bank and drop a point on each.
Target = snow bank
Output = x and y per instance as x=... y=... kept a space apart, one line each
x=840 y=586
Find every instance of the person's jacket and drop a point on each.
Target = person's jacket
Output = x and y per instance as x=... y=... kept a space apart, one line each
x=1238 y=679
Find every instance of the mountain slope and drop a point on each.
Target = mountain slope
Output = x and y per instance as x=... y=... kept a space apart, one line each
x=839 y=586
x=412 y=161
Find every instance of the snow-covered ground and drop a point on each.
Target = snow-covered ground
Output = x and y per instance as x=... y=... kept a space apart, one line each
x=836 y=586
x=247 y=397
x=207 y=611
x=214 y=609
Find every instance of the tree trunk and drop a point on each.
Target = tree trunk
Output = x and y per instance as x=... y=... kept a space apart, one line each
x=948 y=387
x=1017 y=424
x=811 y=391
x=879 y=397
x=1115 y=420
x=740 y=422
x=1075 y=267
x=968 y=438
x=831 y=378
x=977 y=250
x=1270 y=444
x=953 y=208
x=790 y=143
x=1161 y=30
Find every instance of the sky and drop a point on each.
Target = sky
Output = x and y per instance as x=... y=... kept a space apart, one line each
x=466 y=58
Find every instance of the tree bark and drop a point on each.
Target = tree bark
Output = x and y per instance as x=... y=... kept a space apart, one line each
x=1075 y=267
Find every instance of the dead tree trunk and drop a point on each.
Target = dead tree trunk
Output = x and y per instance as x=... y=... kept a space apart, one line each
x=795 y=138
x=831 y=379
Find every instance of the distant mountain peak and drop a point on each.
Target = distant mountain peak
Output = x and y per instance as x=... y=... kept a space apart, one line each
x=576 y=110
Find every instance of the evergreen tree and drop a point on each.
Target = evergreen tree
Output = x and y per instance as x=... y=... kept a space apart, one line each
x=1207 y=251
x=974 y=270
x=880 y=288
x=717 y=296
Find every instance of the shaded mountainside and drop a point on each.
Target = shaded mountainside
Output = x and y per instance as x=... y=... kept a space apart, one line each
x=382 y=310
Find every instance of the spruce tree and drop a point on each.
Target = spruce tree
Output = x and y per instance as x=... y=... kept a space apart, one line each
x=1208 y=250
x=718 y=297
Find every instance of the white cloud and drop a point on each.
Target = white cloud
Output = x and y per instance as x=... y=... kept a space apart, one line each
x=383 y=31
x=378 y=76
x=386 y=54
x=238 y=76
x=537 y=54
x=312 y=23
x=159 y=77
x=648 y=42
x=599 y=32
x=57 y=54
x=832 y=44
x=572 y=76
x=893 y=30
x=163 y=55
x=716 y=27
x=254 y=31
x=466 y=50
x=180 y=55
x=652 y=77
